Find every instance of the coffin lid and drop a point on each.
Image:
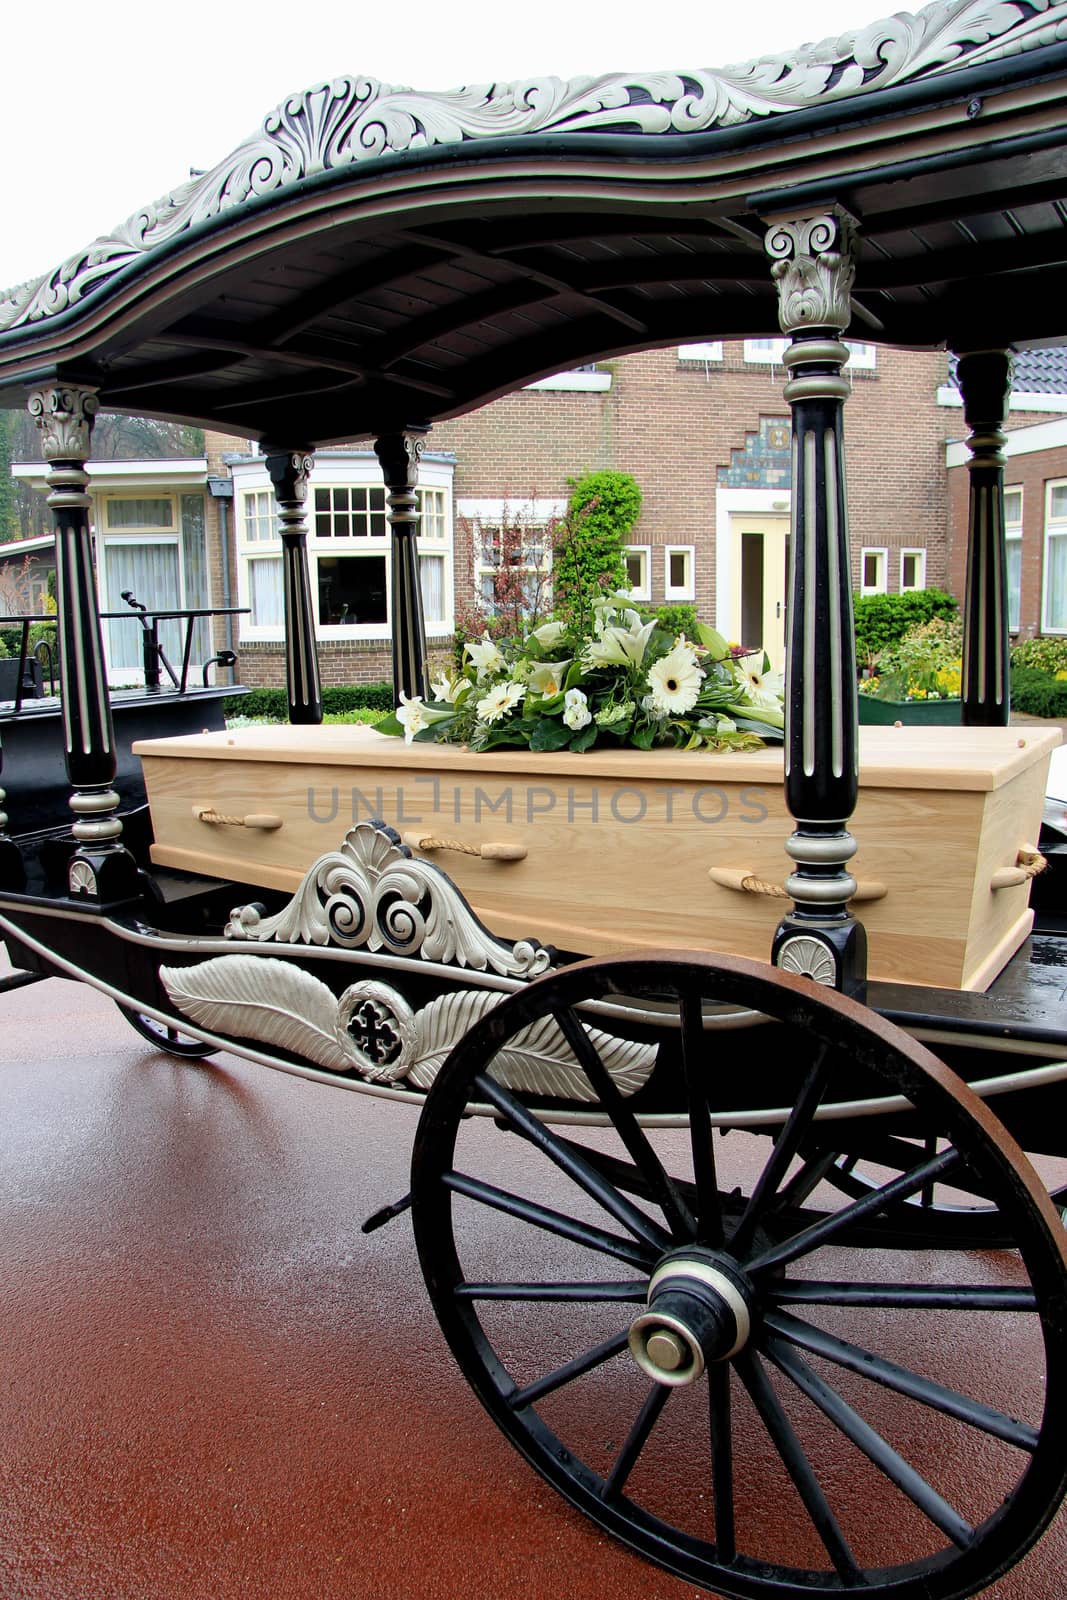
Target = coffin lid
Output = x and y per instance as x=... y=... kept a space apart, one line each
x=374 y=258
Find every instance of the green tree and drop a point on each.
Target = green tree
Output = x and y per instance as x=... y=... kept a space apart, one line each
x=588 y=547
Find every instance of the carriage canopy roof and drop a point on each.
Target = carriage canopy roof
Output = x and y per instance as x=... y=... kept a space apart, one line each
x=374 y=258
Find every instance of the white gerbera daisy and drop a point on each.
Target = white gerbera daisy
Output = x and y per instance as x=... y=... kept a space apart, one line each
x=499 y=701
x=674 y=681
x=762 y=688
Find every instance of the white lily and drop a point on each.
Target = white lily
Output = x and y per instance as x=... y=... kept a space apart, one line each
x=547 y=677
x=621 y=646
x=486 y=656
x=549 y=634
x=413 y=715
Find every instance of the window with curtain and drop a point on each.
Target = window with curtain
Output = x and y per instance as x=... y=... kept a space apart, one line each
x=1013 y=537
x=348 y=552
x=1054 y=619
x=152 y=546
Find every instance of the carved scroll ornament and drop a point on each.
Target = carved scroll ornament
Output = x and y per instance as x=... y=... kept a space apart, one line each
x=814 y=265
x=64 y=414
x=372 y=894
x=355 y=119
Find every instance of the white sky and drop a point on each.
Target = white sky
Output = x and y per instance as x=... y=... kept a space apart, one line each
x=109 y=103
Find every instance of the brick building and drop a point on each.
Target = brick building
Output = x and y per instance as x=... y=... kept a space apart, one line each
x=702 y=428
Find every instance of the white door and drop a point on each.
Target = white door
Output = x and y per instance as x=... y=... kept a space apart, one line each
x=760 y=558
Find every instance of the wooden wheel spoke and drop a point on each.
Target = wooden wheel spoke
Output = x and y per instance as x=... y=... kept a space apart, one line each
x=830 y=1228
x=556 y=1222
x=903 y=1296
x=878 y=1450
x=785 y=1148
x=722 y=1460
x=569 y=1158
x=633 y=1292
x=636 y=1439
x=708 y=1202
x=902 y=1380
x=663 y=1189
x=575 y=1368
x=799 y=1468
x=805 y=1180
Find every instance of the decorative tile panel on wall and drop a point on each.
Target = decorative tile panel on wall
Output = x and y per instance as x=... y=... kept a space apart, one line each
x=764 y=463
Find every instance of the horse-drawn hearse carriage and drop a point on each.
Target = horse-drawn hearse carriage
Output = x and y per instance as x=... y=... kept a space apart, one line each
x=591 y=1003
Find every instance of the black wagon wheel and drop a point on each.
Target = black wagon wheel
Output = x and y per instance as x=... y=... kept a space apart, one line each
x=734 y=1380
x=936 y=1217
x=166 y=1037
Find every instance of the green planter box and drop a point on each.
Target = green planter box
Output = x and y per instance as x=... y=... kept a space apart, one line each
x=924 y=713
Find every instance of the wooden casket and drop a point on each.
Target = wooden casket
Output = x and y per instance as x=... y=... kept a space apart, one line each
x=618 y=849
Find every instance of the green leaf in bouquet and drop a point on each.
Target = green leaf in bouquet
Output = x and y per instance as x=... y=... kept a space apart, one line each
x=548 y=734
x=713 y=642
x=585 y=738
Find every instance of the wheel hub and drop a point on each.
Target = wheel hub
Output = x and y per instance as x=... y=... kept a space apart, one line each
x=698 y=1311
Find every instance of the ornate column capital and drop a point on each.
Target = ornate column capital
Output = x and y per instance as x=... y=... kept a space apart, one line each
x=399 y=455
x=289 y=472
x=813 y=263
x=64 y=414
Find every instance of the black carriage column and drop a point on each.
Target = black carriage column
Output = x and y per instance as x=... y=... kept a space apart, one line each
x=12 y=872
x=984 y=378
x=814 y=267
x=289 y=472
x=101 y=867
x=399 y=454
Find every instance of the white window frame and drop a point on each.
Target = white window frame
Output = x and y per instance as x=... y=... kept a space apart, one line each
x=765 y=352
x=882 y=553
x=919 y=552
x=528 y=514
x=686 y=590
x=1055 y=528
x=349 y=472
x=863 y=356
x=1013 y=539
x=579 y=380
x=700 y=354
x=643 y=590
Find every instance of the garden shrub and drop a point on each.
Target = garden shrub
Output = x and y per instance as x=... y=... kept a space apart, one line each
x=678 y=618
x=1037 y=693
x=588 y=550
x=336 y=699
x=882 y=620
x=1046 y=655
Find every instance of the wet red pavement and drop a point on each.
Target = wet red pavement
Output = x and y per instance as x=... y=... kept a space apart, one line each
x=213 y=1385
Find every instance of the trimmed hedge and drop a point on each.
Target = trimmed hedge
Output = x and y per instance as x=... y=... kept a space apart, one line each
x=1037 y=694
x=336 y=698
x=883 y=619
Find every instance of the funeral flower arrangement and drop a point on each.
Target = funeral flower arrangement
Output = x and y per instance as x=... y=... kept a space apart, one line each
x=627 y=682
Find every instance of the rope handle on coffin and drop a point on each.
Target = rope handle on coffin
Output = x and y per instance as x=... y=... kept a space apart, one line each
x=266 y=821
x=1028 y=863
x=743 y=878
x=488 y=852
